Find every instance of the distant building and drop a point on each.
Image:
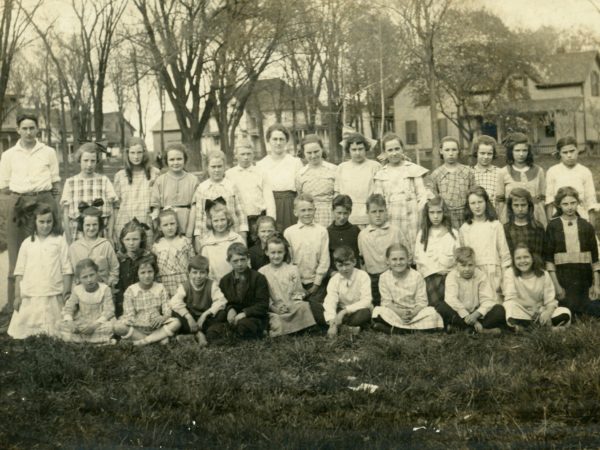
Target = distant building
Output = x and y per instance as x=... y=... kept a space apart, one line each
x=8 y=130
x=563 y=100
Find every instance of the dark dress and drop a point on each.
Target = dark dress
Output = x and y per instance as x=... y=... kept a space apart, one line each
x=127 y=276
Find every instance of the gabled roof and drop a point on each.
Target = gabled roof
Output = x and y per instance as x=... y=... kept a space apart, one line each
x=273 y=94
x=564 y=69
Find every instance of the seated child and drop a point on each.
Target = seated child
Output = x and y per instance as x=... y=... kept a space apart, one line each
x=529 y=295
x=403 y=297
x=288 y=313
x=341 y=232
x=89 y=312
x=470 y=300
x=374 y=240
x=247 y=294
x=348 y=301
x=197 y=301
x=265 y=228
x=146 y=312
x=309 y=246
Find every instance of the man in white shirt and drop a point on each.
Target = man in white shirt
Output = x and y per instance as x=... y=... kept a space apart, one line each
x=28 y=174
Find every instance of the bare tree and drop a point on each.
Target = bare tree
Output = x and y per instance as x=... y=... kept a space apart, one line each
x=178 y=34
x=97 y=29
x=13 y=25
x=422 y=23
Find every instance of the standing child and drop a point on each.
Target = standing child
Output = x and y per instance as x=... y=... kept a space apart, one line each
x=317 y=178
x=521 y=172
x=43 y=277
x=401 y=184
x=403 y=297
x=287 y=312
x=89 y=312
x=265 y=228
x=173 y=252
x=90 y=223
x=452 y=180
x=133 y=186
x=348 y=301
x=485 y=235
x=375 y=239
x=146 y=311
x=255 y=191
x=354 y=178
x=434 y=251
x=309 y=244
x=522 y=226
x=217 y=188
x=197 y=300
x=529 y=295
x=570 y=173
x=571 y=255
x=341 y=231
x=132 y=250
x=90 y=187
x=247 y=294
x=175 y=188
x=470 y=300
x=220 y=236
x=486 y=173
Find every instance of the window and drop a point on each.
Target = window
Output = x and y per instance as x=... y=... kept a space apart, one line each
x=442 y=128
x=411 y=132
x=595 y=83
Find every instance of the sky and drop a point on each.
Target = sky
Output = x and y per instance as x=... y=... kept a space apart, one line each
x=527 y=14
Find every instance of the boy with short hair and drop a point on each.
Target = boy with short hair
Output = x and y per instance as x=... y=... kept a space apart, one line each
x=452 y=180
x=253 y=186
x=469 y=298
x=247 y=295
x=309 y=246
x=348 y=301
x=197 y=301
x=375 y=239
x=341 y=231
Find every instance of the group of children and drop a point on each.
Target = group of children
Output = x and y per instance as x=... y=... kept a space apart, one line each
x=207 y=260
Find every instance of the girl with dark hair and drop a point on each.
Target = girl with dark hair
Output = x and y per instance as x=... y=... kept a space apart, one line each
x=520 y=171
x=521 y=225
x=133 y=185
x=485 y=235
x=43 y=278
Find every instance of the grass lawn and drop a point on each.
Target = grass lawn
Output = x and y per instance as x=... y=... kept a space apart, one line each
x=535 y=390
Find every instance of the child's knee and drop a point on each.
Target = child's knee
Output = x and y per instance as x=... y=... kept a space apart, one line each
x=171 y=326
x=359 y=318
x=121 y=329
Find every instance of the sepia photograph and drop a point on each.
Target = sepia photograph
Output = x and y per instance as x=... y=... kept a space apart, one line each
x=299 y=224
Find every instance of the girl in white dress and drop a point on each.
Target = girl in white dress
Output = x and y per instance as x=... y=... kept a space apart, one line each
x=43 y=278
x=485 y=235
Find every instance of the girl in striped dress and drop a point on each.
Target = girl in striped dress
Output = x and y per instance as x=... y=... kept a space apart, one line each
x=133 y=186
x=173 y=252
x=317 y=179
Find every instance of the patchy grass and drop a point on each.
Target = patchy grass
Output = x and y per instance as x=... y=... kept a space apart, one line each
x=536 y=390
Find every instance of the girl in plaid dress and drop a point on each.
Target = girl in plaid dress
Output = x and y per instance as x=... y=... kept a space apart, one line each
x=89 y=312
x=434 y=250
x=133 y=186
x=403 y=297
x=522 y=226
x=87 y=186
x=146 y=311
x=317 y=178
x=173 y=252
x=401 y=184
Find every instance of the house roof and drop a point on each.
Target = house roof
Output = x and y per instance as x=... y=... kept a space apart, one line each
x=109 y=118
x=272 y=94
x=567 y=68
x=171 y=124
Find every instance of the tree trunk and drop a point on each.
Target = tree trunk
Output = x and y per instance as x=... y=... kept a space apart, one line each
x=435 y=155
x=63 y=132
x=138 y=95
